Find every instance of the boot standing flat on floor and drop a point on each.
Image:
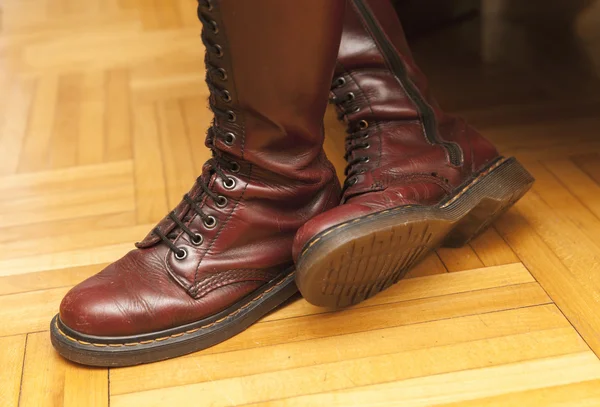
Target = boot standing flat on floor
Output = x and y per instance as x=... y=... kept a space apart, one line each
x=223 y=258
x=417 y=178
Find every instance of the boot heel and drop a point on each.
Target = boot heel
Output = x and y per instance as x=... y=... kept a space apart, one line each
x=489 y=196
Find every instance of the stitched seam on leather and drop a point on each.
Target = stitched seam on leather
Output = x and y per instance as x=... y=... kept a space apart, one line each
x=229 y=277
x=458 y=195
x=241 y=278
x=191 y=331
x=221 y=229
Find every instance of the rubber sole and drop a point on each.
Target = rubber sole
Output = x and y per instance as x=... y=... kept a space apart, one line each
x=152 y=347
x=351 y=262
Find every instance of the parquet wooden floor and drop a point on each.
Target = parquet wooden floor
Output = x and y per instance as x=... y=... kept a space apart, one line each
x=102 y=120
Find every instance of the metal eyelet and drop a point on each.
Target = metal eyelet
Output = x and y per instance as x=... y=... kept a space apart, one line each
x=223 y=74
x=215 y=29
x=350 y=96
x=365 y=136
x=221 y=201
x=366 y=159
x=226 y=96
x=229 y=183
x=356 y=109
x=339 y=82
x=363 y=124
x=235 y=167
x=197 y=239
x=232 y=116
x=367 y=146
x=208 y=5
x=218 y=50
x=210 y=222
x=352 y=181
x=229 y=139
x=182 y=254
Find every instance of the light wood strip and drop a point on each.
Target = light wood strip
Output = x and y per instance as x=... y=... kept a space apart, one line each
x=492 y=250
x=36 y=147
x=65 y=134
x=118 y=121
x=18 y=98
x=464 y=386
x=571 y=292
x=581 y=394
x=577 y=183
x=29 y=311
x=85 y=386
x=44 y=280
x=176 y=152
x=459 y=259
x=340 y=348
x=590 y=164
x=12 y=354
x=91 y=130
x=150 y=200
x=379 y=369
x=43 y=373
x=426 y=287
x=73 y=258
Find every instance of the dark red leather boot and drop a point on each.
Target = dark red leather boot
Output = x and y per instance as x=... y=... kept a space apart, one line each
x=223 y=258
x=416 y=178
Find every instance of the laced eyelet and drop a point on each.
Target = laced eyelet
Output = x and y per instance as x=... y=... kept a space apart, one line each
x=181 y=254
x=226 y=96
x=356 y=109
x=350 y=96
x=235 y=167
x=197 y=239
x=363 y=124
x=229 y=139
x=232 y=117
x=339 y=82
x=215 y=29
x=221 y=201
x=229 y=183
x=352 y=181
x=208 y=5
x=218 y=50
x=366 y=159
x=210 y=222
x=365 y=136
x=223 y=73
x=367 y=146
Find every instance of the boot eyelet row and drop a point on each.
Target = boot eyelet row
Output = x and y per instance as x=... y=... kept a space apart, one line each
x=231 y=116
x=229 y=139
x=229 y=183
x=226 y=96
x=210 y=222
x=181 y=254
x=221 y=201
x=197 y=240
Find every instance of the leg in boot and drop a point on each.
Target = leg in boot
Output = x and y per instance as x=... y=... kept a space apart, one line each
x=222 y=259
x=417 y=178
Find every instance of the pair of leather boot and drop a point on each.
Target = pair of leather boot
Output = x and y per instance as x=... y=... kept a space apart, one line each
x=267 y=212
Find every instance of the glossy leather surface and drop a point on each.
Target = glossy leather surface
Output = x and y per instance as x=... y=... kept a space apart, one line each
x=403 y=167
x=284 y=178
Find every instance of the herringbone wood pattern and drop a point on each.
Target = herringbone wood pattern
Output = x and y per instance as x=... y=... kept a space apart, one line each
x=102 y=119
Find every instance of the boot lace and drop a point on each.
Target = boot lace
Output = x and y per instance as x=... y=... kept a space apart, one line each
x=215 y=79
x=357 y=134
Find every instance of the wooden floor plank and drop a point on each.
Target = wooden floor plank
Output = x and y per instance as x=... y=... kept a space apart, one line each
x=85 y=386
x=492 y=250
x=466 y=385
x=284 y=356
x=12 y=354
x=349 y=374
x=43 y=373
x=459 y=259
